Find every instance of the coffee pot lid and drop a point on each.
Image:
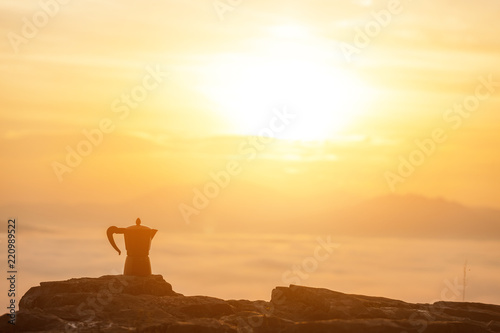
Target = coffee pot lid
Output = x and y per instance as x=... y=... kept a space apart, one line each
x=138 y=226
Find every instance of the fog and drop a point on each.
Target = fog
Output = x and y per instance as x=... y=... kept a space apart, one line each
x=249 y=266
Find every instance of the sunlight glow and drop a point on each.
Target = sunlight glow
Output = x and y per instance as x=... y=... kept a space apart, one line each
x=291 y=72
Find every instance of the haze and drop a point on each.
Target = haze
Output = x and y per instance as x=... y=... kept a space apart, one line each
x=254 y=128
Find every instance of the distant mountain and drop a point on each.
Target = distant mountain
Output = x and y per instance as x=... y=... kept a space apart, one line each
x=244 y=207
x=416 y=216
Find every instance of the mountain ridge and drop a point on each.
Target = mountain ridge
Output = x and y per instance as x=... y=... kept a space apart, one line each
x=383 y=216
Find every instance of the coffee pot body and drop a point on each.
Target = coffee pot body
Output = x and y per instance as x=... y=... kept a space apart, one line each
x=137 y=243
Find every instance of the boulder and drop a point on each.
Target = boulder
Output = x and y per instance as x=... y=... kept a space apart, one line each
x=117 y=303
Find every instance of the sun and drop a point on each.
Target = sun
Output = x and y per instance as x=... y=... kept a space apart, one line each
x=289 y=69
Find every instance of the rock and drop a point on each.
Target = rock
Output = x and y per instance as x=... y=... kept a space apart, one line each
x=116 y=303
x=306 y=304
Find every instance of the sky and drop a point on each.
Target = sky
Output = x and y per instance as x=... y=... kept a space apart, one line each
x=303 y=105
x=222 y=71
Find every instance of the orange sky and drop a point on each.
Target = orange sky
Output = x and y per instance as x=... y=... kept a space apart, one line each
x=112 y=110
x=223 y=73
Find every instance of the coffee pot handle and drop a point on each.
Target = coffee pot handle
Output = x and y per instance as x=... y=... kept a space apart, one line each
x=114 y=230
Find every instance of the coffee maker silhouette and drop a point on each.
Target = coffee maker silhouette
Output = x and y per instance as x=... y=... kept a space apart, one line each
x=137 y=242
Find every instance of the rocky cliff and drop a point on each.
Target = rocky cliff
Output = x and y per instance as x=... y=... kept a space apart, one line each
x=148 y=304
